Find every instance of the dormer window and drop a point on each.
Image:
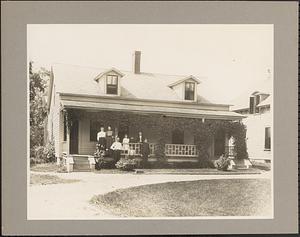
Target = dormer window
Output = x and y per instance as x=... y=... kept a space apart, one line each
x=112 y=84
x=189 y=92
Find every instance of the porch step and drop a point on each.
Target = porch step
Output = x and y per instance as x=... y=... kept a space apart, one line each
x=81 y=163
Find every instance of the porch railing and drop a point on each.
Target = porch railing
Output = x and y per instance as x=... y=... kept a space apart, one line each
x=180 y=150
x=136 y=147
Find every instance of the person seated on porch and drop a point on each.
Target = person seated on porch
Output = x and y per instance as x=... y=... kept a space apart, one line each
x=145 y=151
x=109 y=139
x=125 y=144
x=116 y=148
x=140 y=138
x=101 y=138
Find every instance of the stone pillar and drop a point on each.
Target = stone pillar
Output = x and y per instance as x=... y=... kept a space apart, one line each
x=92 y=162
x=69 y=164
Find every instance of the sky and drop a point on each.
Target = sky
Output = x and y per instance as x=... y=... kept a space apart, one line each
x=226 y=58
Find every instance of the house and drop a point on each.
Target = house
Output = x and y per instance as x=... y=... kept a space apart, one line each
x=81 y=99
x=256 y=105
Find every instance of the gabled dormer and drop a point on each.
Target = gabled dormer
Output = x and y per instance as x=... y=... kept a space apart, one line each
x=186 y=88
x=109 y=82
x=255 y=98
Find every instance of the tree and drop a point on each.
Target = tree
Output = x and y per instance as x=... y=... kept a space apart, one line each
x=38 y=110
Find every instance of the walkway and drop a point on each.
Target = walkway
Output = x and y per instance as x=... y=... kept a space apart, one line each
x=71 y=201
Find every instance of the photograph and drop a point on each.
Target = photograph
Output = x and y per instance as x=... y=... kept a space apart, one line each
x=150 y=121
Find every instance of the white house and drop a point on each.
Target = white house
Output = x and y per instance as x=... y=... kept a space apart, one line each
x=129 y=102
x=257 y=105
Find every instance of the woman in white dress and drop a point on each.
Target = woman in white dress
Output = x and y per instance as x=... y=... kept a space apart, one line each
x=126 y=144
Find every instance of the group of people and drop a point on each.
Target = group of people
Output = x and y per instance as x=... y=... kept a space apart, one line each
x=108 y=142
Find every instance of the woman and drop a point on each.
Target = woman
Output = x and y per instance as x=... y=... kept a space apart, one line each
x=101 y=138
x=109 y=139
x=126 y=144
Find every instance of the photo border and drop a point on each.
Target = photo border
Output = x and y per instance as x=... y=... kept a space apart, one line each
x=16 y=16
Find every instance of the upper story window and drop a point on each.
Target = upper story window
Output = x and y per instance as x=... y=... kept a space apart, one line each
x=112 y=84
x=189 y=92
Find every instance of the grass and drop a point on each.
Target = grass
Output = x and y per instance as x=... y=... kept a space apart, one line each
x=45 y=167
x=45 y=179
x=236 y=197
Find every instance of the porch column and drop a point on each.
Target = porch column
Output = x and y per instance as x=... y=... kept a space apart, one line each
x=68 y=141
x=226 y=152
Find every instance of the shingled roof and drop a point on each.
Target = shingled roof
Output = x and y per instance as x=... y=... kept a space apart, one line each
x=75 y=79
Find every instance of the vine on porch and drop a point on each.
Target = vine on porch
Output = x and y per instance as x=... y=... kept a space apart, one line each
x=162 y=126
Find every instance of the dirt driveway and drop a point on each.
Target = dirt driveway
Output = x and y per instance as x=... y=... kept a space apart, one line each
x=71 y=201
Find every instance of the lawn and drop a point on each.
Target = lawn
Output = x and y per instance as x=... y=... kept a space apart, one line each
x=229 y=197
x=43 y=179
x=45 y=167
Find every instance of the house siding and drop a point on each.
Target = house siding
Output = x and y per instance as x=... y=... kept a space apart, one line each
x=54 y=123
x=256 y=124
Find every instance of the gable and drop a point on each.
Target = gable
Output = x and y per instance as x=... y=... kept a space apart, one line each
x=111 y=71
x=186 y=79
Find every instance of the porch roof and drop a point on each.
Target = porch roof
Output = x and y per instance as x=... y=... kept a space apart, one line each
x=167 y=111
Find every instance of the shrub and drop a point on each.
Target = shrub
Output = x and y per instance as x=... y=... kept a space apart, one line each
x=206 y=163
x=126 y=164
x=43 y=154
x=222 y=163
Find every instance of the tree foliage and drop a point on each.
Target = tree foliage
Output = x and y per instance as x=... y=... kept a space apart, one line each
x=37 y=89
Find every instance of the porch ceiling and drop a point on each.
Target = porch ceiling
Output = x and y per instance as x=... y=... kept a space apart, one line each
x=146 y=109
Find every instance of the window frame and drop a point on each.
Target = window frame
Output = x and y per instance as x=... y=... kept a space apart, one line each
x=188 y=92
x=112 y=85
x=267 y=144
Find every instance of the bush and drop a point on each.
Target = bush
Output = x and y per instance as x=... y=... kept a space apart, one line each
x=126 y=164
x=206 y=163
x=222 y=163
x=43 y=154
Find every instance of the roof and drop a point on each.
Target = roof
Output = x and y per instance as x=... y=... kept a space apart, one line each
x=261 y=87
x=266 y=102
x=182 y=80
x=167 y=111
x=81 y=80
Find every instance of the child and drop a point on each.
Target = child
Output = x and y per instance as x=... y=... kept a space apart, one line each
x=126 y=144
x=116 y=148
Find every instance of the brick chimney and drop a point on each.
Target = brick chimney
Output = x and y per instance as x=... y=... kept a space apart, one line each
x=137 y=62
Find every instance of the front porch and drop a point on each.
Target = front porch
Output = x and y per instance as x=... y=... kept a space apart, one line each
x=171 y=139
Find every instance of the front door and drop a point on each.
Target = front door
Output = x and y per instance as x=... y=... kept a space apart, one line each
x=74 y=137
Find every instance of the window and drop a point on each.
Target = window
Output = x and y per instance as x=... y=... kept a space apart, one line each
x=189 y=91
x=65 y=127
x=112 y=84
x=267 y=138
x=251 y=105
x=94 y=129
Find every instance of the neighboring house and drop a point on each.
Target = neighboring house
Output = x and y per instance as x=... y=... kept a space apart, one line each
x=256 y=105
x=93 y=92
